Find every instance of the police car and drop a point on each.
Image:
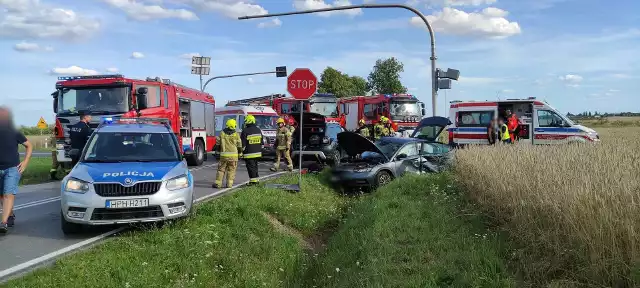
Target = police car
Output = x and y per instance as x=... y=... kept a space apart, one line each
x=130 y=171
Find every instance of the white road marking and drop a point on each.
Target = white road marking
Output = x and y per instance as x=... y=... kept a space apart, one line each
x=47 y=257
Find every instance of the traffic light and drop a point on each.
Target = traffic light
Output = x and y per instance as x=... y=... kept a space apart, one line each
x=281 y=71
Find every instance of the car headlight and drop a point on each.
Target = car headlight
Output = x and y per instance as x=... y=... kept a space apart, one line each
x=76 y=186
x=179 y=182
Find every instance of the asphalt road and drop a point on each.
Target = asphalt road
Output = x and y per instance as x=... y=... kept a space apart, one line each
x=37 y=238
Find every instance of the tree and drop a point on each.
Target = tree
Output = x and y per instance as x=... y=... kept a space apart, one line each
x=340 y=84
x=385 y=77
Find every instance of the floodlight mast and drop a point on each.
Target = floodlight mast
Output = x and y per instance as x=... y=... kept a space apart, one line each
x=434 y=78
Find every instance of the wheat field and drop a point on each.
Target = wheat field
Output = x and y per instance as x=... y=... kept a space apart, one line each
x=572 y=209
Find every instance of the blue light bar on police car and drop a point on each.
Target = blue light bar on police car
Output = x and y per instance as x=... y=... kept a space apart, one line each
x=107 y=120
x=62 y=78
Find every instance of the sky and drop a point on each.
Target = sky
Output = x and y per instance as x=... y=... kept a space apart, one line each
x=577 y=55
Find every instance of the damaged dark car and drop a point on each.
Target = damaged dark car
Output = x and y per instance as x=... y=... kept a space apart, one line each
x=319 y=139
x=370 y=165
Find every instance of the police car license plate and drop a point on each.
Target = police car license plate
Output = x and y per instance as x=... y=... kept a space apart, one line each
x=127 y=203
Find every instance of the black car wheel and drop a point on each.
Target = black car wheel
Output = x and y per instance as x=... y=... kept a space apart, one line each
x=383 y=178
x=69 y=228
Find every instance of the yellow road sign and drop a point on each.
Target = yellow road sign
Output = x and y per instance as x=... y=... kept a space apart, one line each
x=42 y=124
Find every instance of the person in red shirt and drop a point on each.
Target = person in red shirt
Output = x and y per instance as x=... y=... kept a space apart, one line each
x=513 y=125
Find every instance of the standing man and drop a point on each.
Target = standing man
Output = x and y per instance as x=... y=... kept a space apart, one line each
x=10 y=166
x=54 y=155
x=378 y=129
x=283 y=142
x=513 y=124
x=79 y=134
x=492 y=132
x=388 y=129
x=228 y=144
x=252 y=142
x=504 y=132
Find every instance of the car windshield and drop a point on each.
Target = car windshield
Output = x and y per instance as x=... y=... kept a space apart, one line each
x=327 y=109
x=266 y=122
x=131 y=147
x=399 y=110
x=95 y=100
x=388 y=148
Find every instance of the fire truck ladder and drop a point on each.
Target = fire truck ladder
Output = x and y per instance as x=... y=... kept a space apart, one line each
x=255 y=100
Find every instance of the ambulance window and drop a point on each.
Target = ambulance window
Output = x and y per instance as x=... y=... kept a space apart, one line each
x=548 y=118
x=474 y=118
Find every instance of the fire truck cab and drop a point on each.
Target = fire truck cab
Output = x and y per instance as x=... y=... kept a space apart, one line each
x=323 y=104
x=404 y=111
x=266 y=119
x=539 y=122
x=191 y=113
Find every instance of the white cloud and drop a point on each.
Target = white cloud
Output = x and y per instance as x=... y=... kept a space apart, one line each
x=30 y=47
x=32 y=19
x=320 y=4
x=490 y=22
x=453 y=2
x=189 y=55
x=73 y=71
x=137 y=55
x=271 y=23
x=112 y=70
x=250 y=80
x=571 y=80
x=229 y=8
x=622 y=76
x=141 y=12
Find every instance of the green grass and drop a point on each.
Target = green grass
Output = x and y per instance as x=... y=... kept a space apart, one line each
x=412 y=233
x=228 y=243
x=409 y=234
x=37 y=171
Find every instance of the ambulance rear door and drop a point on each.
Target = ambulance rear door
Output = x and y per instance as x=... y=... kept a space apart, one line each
x=472 y=121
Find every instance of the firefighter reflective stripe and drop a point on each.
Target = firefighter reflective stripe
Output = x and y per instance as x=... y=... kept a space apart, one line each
x=254 y=139
x=253 y=155
x=228 y=154
x=504 y=132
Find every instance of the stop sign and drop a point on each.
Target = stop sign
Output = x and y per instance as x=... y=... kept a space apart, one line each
x=302 y=84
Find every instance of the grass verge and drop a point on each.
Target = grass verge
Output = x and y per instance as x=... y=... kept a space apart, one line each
x=409 y=234
x=227 y=243
x=37 y=171
x=412 y=233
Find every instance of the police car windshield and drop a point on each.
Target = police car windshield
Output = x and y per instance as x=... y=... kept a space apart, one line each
x=131 y=147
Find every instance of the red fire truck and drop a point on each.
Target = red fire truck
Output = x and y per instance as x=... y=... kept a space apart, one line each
x=190 y=111
x=404 y=111
x=324 y=104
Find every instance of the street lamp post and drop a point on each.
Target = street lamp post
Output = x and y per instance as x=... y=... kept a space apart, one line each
x=434 y=78
x=281 y=71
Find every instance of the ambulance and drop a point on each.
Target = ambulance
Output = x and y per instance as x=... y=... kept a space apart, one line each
x=540 y=124
x=266 y=119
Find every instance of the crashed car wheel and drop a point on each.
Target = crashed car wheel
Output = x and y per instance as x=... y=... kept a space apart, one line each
x=383 y=178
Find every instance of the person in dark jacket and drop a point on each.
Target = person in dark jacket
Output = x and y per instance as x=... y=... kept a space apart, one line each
x=79 y=134
x=252 y=142
x=492 y=132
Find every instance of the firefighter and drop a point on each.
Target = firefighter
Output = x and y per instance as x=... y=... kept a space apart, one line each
x=228 y=144
x=291 y=125
x=54 y=156
x=363 y=129
x=252 y=142
x=388 y=129
x=79 y=134
x=378 y=129
x=283 y=142
x=504 y=132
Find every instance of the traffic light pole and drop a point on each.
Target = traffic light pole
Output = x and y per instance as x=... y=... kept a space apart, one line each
x=236 y=75
x=434 y=78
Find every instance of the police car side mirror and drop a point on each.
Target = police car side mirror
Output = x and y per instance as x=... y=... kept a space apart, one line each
x=74 y=154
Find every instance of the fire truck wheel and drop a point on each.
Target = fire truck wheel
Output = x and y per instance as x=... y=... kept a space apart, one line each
x=199 y=152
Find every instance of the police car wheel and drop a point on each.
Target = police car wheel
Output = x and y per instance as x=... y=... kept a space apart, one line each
x=69 y=228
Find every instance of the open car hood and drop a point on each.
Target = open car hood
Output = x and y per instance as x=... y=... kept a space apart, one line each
x=429 y=128
x=354 y=144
